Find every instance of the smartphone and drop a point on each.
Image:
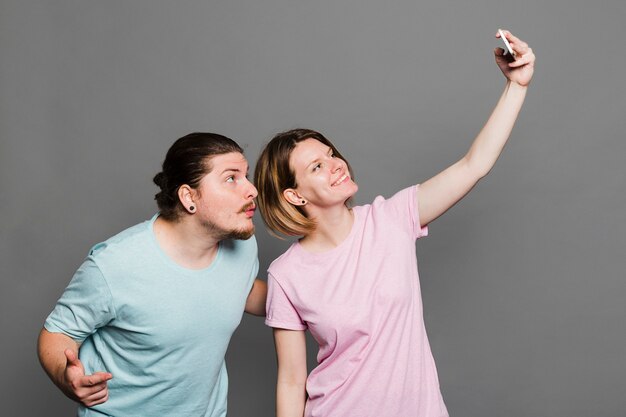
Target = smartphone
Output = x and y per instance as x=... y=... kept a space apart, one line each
x=508 y=50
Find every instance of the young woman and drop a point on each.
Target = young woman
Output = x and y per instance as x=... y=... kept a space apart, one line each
x=352 y=279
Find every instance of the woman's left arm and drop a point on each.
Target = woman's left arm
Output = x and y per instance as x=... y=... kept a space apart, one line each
x=439 y=193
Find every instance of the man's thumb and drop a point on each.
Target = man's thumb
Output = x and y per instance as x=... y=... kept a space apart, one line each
x=71 y=357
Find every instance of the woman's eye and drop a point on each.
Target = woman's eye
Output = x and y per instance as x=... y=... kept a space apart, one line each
x=230 y=179
x=317 y=167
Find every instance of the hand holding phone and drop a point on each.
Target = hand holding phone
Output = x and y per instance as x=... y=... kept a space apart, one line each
x=517 y=61
x=507 y=50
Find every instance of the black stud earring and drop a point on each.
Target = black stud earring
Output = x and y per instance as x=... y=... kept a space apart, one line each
x=303 y=201
x=192 y=208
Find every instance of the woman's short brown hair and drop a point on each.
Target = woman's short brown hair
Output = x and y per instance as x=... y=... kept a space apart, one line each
x=273 y=175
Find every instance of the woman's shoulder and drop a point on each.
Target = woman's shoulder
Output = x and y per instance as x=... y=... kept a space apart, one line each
x=284 y=262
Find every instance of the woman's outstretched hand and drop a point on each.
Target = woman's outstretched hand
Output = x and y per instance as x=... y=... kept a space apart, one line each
x=521 y=70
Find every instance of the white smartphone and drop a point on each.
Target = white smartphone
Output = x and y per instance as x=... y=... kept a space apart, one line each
x=508 y=49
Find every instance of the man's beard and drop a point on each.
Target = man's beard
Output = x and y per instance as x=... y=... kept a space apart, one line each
x=239 y=234
x=223 y=234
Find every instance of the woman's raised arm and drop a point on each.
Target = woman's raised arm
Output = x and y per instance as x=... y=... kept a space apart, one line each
x=439 y=193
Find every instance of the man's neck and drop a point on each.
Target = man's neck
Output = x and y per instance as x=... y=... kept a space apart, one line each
x=186 y=243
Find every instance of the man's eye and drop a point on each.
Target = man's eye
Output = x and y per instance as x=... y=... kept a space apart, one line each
x=230 y=179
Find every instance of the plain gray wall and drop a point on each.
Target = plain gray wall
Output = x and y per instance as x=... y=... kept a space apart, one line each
x=523 y=282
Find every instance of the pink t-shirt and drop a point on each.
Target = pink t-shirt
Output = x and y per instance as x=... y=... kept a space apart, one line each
x=361 y=302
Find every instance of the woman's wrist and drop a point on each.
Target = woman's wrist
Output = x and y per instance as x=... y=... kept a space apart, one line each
x=514 y=85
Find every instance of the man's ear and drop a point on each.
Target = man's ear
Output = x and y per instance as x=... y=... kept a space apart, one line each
x=187 y=197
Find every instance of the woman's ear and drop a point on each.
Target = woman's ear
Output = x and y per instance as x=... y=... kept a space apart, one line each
x=293 y=197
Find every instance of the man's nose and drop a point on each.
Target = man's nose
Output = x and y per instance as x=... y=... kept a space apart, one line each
x=251 y=192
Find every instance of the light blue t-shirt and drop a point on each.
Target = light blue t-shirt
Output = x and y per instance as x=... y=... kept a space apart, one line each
x=162 y=330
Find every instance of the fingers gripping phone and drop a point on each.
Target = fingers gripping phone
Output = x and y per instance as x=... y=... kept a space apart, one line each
x=507 y=50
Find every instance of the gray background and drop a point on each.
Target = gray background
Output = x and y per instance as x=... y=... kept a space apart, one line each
x=523 y=281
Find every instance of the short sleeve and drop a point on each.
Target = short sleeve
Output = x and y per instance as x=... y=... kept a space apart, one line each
x=85 y=306
x=280 y=312
x=403 y=207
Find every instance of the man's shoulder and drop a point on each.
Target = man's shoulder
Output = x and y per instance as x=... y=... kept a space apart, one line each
x=126 y=241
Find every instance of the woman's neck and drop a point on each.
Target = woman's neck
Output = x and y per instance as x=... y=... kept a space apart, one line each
x=333 y=227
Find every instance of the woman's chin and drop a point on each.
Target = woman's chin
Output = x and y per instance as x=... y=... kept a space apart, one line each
x=351 y=190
